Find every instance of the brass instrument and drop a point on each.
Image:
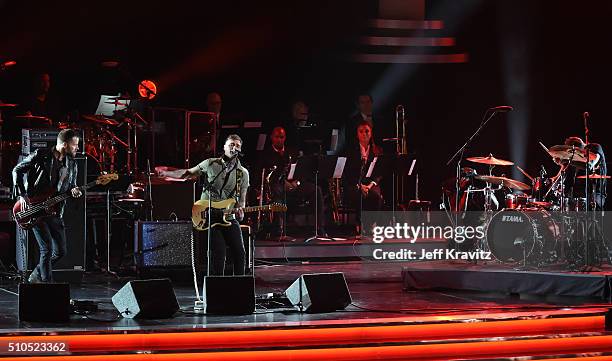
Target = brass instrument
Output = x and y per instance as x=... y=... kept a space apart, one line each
x=401 y=143
x=335 y=191
x=401 y=147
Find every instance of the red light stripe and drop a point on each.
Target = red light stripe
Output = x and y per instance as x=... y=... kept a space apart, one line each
x=410 y=58
x=300 y=337
x=412 y=352
x=406 y=41
x=406 y=24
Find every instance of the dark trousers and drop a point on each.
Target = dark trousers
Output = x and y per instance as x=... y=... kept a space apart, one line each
x=50 y=234
x=373 y=201
x=222 y=237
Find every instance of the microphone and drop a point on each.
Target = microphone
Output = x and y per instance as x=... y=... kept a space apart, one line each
x=586 y=117
x=237 y=154
x=502 y=108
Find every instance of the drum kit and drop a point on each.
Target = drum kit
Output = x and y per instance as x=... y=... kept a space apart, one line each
x=102 y=143
x=538 y=225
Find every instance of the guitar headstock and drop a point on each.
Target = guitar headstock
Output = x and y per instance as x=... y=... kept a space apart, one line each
x=278 y=207
x=104 y=179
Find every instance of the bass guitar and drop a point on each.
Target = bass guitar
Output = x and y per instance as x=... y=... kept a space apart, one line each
x=27 y=212
x=221 y=209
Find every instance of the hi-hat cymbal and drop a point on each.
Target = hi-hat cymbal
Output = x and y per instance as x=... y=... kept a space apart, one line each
x=99 y=119
x=570 y=153
x=595 y=176
x=490 y=160
x=507 y=182
x=7 y=105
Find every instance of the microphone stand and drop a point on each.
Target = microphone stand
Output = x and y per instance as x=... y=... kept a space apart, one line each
x=208 y=188
x=459 y=156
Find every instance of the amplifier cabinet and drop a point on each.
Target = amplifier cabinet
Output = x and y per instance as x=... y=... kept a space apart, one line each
x=163 y=244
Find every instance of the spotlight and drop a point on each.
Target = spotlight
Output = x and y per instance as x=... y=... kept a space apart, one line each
x=147 y=89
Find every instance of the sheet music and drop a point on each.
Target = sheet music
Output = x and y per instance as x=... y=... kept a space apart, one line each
x=412 y=166
x=334 y=140
x=106 y=105
x=339 y=167
x=371 y=168
x=291 y=171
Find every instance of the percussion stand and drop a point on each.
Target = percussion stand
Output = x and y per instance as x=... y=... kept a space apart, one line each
x=459 y=156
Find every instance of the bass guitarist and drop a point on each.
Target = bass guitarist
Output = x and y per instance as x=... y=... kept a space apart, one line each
x=48 y=172
x=226 y=178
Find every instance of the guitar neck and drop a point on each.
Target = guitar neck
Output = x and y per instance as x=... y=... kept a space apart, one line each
x=256 y=208
x=63 y=196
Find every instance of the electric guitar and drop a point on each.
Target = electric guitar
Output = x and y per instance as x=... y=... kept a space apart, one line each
x=28 y=212
x=221 y=209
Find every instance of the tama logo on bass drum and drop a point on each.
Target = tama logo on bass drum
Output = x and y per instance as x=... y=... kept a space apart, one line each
x=513 y=219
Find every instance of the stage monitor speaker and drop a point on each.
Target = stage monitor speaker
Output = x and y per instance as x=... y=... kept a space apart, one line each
x=146 y=299
x=229 y=295
x=320 y=292
x=44 y=302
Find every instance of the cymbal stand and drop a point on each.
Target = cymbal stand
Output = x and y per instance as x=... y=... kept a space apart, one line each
x=459 y=156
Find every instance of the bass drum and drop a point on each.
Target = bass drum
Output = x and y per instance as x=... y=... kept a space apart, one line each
x=514 y=235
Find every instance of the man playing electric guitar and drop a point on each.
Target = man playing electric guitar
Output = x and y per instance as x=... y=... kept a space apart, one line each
x=229 y=180
x=48 y=172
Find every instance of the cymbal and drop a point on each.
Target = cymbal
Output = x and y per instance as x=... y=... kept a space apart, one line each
x=568 y=152
x=490 y=160
x=595 y=176
x=33 y=117
x=7 y=105
x=507 y=182
x=100 y=119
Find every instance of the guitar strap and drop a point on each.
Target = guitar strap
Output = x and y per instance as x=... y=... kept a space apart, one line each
x=236 y=189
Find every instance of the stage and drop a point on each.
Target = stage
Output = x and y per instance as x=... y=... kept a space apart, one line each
x=385 y=320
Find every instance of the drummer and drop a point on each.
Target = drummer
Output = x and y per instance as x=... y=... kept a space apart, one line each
x=575 y=186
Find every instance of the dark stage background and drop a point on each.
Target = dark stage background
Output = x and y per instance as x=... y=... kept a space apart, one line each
x=548 y=59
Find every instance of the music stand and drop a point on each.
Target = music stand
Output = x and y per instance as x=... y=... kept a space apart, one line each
x=395 y=165
x=321 y=166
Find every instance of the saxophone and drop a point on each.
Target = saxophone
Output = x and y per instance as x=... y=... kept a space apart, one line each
x=335 y=191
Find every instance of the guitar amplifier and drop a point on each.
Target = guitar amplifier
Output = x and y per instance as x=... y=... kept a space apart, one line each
x=163 y=244
x=32 y=139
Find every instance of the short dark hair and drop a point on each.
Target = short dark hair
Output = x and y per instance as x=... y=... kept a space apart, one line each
x=575 y=141
x=363 y=94
x=66 y=135
x=233 y=137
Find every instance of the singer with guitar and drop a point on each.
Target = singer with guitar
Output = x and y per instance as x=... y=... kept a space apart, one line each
x=227 y=179
x=48 y=172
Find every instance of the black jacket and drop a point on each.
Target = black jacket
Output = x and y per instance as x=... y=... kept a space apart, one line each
x=355 y=170
x=36 y=168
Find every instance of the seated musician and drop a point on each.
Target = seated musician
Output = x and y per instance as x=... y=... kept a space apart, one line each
x=574 y=186
x=276 y=160
x=362 y=192
x=228 y=179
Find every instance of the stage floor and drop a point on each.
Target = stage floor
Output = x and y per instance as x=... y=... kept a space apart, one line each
x=376 y=289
